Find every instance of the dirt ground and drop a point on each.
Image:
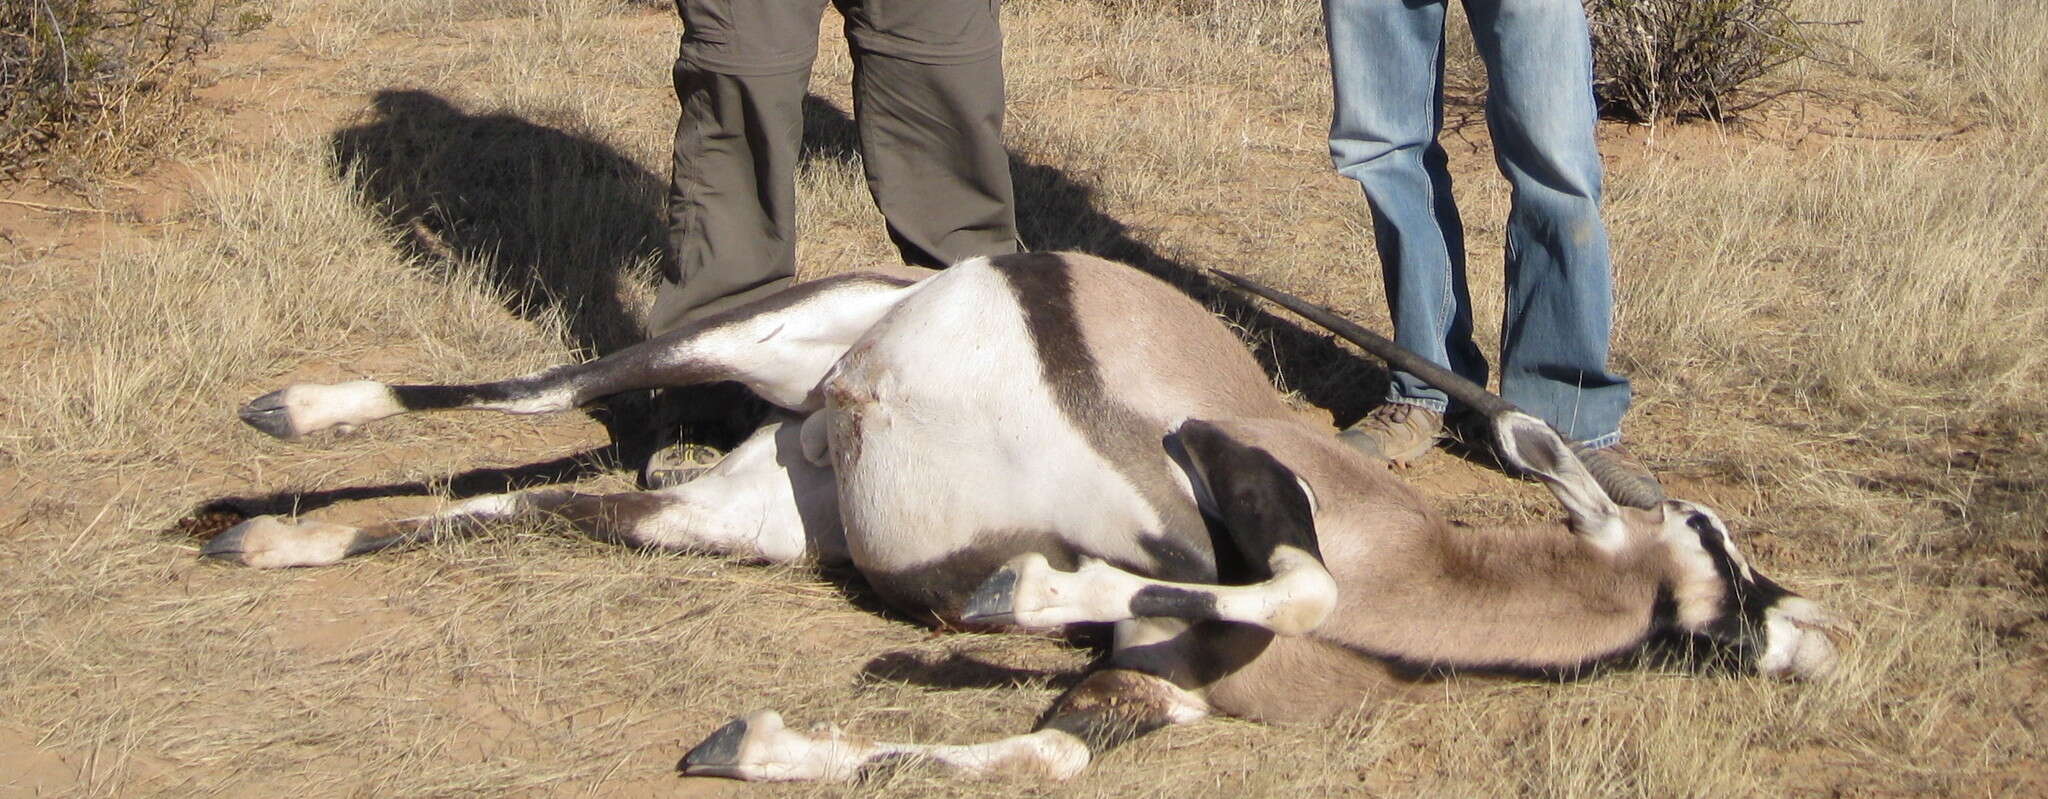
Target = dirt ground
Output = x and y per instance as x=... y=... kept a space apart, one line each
x=533 y=663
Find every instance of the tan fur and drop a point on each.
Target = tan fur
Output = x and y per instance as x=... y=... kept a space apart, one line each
x=1417 y=590
x=1166 y=355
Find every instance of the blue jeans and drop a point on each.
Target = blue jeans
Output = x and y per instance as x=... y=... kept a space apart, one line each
x=1387 y=68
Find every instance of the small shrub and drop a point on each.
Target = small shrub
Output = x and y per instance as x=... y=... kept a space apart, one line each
x=1673 y=59
x=71 y=67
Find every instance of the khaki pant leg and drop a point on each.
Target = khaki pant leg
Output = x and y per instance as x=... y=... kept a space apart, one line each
x=928 y=100
x=740 y=79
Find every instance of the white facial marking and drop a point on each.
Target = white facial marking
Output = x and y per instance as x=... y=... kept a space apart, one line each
x=1698 y=587
x=1682 y=510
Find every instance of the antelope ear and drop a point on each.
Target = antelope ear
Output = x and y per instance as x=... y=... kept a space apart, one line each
x=1260 y=501
x=1533 y=446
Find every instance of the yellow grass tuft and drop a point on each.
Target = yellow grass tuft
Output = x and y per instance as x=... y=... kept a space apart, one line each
x=1833 y=313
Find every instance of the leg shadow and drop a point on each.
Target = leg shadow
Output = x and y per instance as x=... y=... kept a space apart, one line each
x=553 y=217
x=958 y=671
x=220 y=513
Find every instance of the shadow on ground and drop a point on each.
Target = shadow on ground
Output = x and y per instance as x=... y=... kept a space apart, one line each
x=958 y=671
x=554 y=218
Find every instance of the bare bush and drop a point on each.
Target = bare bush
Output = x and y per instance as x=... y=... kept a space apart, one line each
x=1673 y=59
x=70 y=66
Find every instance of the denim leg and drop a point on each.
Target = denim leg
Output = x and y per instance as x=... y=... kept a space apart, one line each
x=1386 y=67
x=1559 y=311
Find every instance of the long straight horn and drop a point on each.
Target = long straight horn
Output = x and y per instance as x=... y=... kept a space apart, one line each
x=1470 y=394
x=1623 y=487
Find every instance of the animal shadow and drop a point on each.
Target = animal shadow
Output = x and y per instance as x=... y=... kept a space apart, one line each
x=220 y=513
x=552 y=216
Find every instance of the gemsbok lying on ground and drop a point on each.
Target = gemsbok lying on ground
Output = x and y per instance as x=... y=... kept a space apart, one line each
x=1042 y=440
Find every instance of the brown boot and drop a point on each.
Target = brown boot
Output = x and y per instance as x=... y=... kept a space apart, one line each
x=1397 y=432
x=692 y=429
x=677 y=464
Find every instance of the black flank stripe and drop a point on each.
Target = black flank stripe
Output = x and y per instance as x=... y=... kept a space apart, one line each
x=1044 y=287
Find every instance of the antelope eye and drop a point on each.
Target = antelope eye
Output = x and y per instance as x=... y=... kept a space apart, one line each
x=1700 y=523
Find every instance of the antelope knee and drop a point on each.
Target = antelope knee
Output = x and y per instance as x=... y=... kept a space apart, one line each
x=1302 y=593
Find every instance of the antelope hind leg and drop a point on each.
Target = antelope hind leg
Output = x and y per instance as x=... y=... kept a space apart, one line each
x=1109 y=708
x=764 y=501
x=780 y=347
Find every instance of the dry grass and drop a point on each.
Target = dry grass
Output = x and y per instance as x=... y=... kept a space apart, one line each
x=1835 y=335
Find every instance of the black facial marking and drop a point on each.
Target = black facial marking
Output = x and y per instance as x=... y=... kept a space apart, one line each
x=1740 y=622
x=1043 y=284
x=1732 y=640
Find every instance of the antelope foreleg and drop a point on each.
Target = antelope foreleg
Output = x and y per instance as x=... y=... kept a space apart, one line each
x=1029 y=592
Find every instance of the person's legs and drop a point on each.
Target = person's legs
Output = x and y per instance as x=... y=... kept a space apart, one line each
x=1386 y=59
x=740 y=78
x=928 y=99
x=1559 y=312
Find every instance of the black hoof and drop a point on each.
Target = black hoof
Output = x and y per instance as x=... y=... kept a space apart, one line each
x=717 y=752
x=227 y=545
x=995 y=601
x=268 y=414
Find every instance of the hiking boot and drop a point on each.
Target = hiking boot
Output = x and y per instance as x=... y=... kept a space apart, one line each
x=688 y=430
x=1626 y=479
x=678 y=463
x=1396 y=432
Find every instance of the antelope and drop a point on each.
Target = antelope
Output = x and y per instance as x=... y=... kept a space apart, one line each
x=1041 y=440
